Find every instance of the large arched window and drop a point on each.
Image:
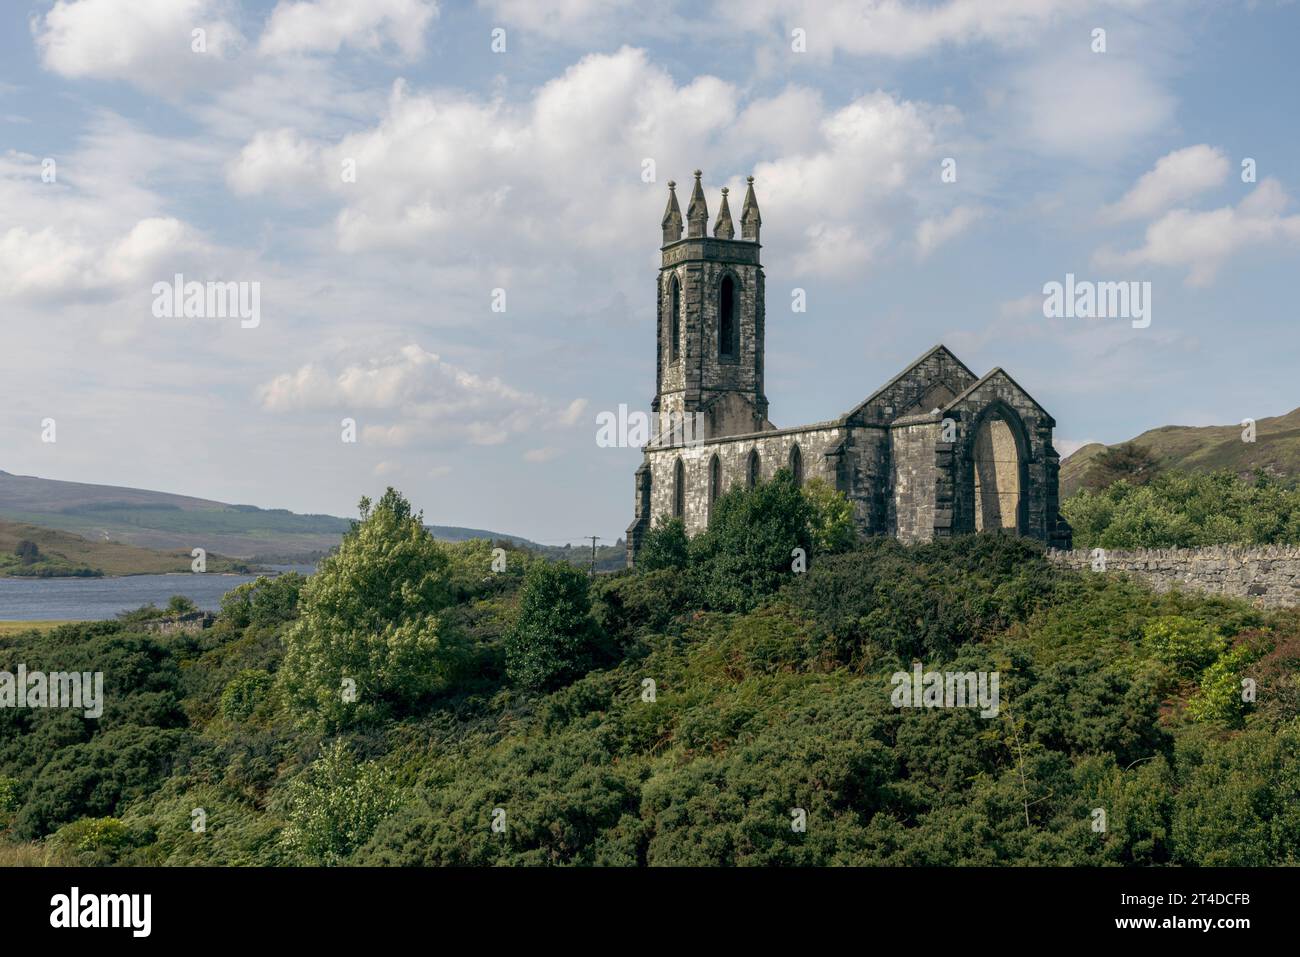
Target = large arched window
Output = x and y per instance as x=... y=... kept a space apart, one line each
x=715 y=480
x=796 y=464
x=752 y=471
x=679 y=490
x=675 y=307
x=727 y=319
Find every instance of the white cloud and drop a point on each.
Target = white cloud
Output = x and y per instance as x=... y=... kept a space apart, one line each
x=891 y=28
x=432 y=398
x=49 y=262
x=274 y=159
x=934 y=232
x=324 y=26
x=1175 y=178
x=566 y=164
x=1067 y=447
x=1087 y=106
x=1202 y=241
x=541 y=455
x=148 y=43
x=565 y=19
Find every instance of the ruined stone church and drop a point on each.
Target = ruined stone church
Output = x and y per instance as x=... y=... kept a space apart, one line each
x=936 y=451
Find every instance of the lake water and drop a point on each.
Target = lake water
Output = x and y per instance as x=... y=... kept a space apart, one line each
x=91 y=599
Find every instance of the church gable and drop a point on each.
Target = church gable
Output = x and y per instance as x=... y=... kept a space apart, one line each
x=997 y=385
x=928 y=383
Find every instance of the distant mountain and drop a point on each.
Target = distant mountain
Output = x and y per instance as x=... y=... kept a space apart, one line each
x=167 y=522
x=1276 y=450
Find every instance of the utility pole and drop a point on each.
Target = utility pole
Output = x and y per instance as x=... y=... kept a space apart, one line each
x=594 y=539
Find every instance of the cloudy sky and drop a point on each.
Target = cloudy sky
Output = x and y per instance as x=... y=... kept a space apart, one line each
x=524 y=170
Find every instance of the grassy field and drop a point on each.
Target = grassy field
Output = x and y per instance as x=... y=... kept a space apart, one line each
x=63 y=554
x=18 y=627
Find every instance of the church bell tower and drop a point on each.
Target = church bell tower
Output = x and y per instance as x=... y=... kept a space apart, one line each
x=710 y=328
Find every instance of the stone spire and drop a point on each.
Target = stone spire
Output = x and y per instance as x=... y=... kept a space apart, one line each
x=749 y=218
x=722 y=227
x=672 y=221
x=697 y=213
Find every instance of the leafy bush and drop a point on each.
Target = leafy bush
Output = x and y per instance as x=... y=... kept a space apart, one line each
x=664 y=546
x=335 y=805
x=747 y=551
x=1184 y=645
x=831 y=518
x=1185 y=510
x=92 y=841
x=265 y=602
x=244 y=693
x=553 y=637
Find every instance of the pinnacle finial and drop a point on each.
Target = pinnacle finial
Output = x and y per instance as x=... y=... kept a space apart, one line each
x=750 y=220
x=722 y=226
x=672 y=221
x=697 y=213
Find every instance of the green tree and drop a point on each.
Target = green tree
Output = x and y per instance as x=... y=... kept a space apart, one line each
x=748 y=549
x=664 y=546
x=1129 y=462
x=831 y=518
x=367 y=642
x=553 y=637
x=180 y=605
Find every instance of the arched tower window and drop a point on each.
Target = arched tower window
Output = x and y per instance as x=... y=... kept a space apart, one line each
x=715 y=479
x=727 y=319
x=796 y=464
x=753 y=469
x=679 y=490
x=675 y=306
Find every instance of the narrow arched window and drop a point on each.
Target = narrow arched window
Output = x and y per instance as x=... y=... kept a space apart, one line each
x=675 y=298
x=679 y=490
x=753 y=470
x=796 y=464
x=715 y=479
x=727 y=319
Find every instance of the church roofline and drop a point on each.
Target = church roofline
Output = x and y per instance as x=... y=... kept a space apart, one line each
x=749 y=436
x=996 y=371
x=908 y=368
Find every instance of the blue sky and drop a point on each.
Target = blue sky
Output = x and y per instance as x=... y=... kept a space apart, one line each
x=522 y=170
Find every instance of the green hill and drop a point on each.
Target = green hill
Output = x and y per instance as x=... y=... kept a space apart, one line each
x=1276 y=450
x=60 y=554
x=169 y=522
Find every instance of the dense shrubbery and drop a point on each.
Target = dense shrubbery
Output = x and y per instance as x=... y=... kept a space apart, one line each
x=669 y=715
x=1185 y=510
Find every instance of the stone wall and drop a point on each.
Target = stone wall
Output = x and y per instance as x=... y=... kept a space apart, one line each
x=911 y=507
x=773 y=449
x=1267 y=575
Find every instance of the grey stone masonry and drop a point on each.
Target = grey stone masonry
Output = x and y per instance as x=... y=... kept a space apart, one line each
x=1266 y=575
x=936 y=451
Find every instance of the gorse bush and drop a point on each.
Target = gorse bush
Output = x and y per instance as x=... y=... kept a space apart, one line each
x=1185 y=510
x=665 y=546
x=553 y=637
x=748 y=549
x=669 y=716
x=334 y=806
